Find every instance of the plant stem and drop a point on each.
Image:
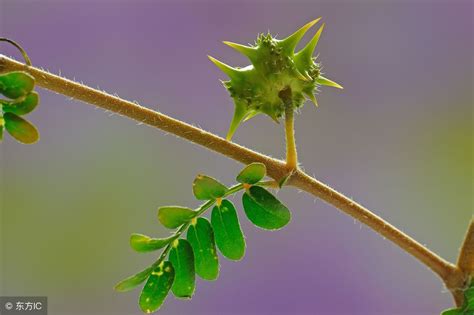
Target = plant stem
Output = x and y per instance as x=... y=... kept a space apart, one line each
x=168 y=247
x=234 y=189
x=448 y=272
x=276 y=169
x=291 y=154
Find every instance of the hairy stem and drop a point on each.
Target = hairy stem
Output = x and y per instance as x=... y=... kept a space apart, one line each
x=291 y=154
x=276 y=169
x=448 y=272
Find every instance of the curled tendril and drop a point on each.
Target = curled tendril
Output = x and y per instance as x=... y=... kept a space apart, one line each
x=23 y=52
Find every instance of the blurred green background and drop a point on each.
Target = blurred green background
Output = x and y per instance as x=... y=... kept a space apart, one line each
x=398 y=139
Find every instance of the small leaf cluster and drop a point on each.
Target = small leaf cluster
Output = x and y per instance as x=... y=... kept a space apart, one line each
x=182 y=257
x=278 y=77
x=468 y=306
x=18 y=87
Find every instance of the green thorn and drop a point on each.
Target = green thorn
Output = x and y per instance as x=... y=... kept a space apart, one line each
x=325 y=81
x=239 y=113
x=289 y=43
x=247 y=51
x=231 y=72
x=306 y=53
x=312 y=98
x=301 y=76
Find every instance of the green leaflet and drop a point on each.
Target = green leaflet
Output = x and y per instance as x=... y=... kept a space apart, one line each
x=201 y=238
x=20 y=129
x=207 y=188
x=133 y=281
x=142 y=243
x=23 y=106
x=264 y=210
x=156 y=288
x=174 y=216
x=252 y=173
x=182 y=258
x=229 y=237
x=16 y=84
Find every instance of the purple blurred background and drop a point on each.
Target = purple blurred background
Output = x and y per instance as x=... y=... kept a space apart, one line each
x=398 y=139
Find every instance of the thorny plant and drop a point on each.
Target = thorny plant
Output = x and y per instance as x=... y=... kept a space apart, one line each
x=277 y=84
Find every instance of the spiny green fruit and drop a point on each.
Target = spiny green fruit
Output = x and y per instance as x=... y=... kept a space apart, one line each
x=277 y=78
